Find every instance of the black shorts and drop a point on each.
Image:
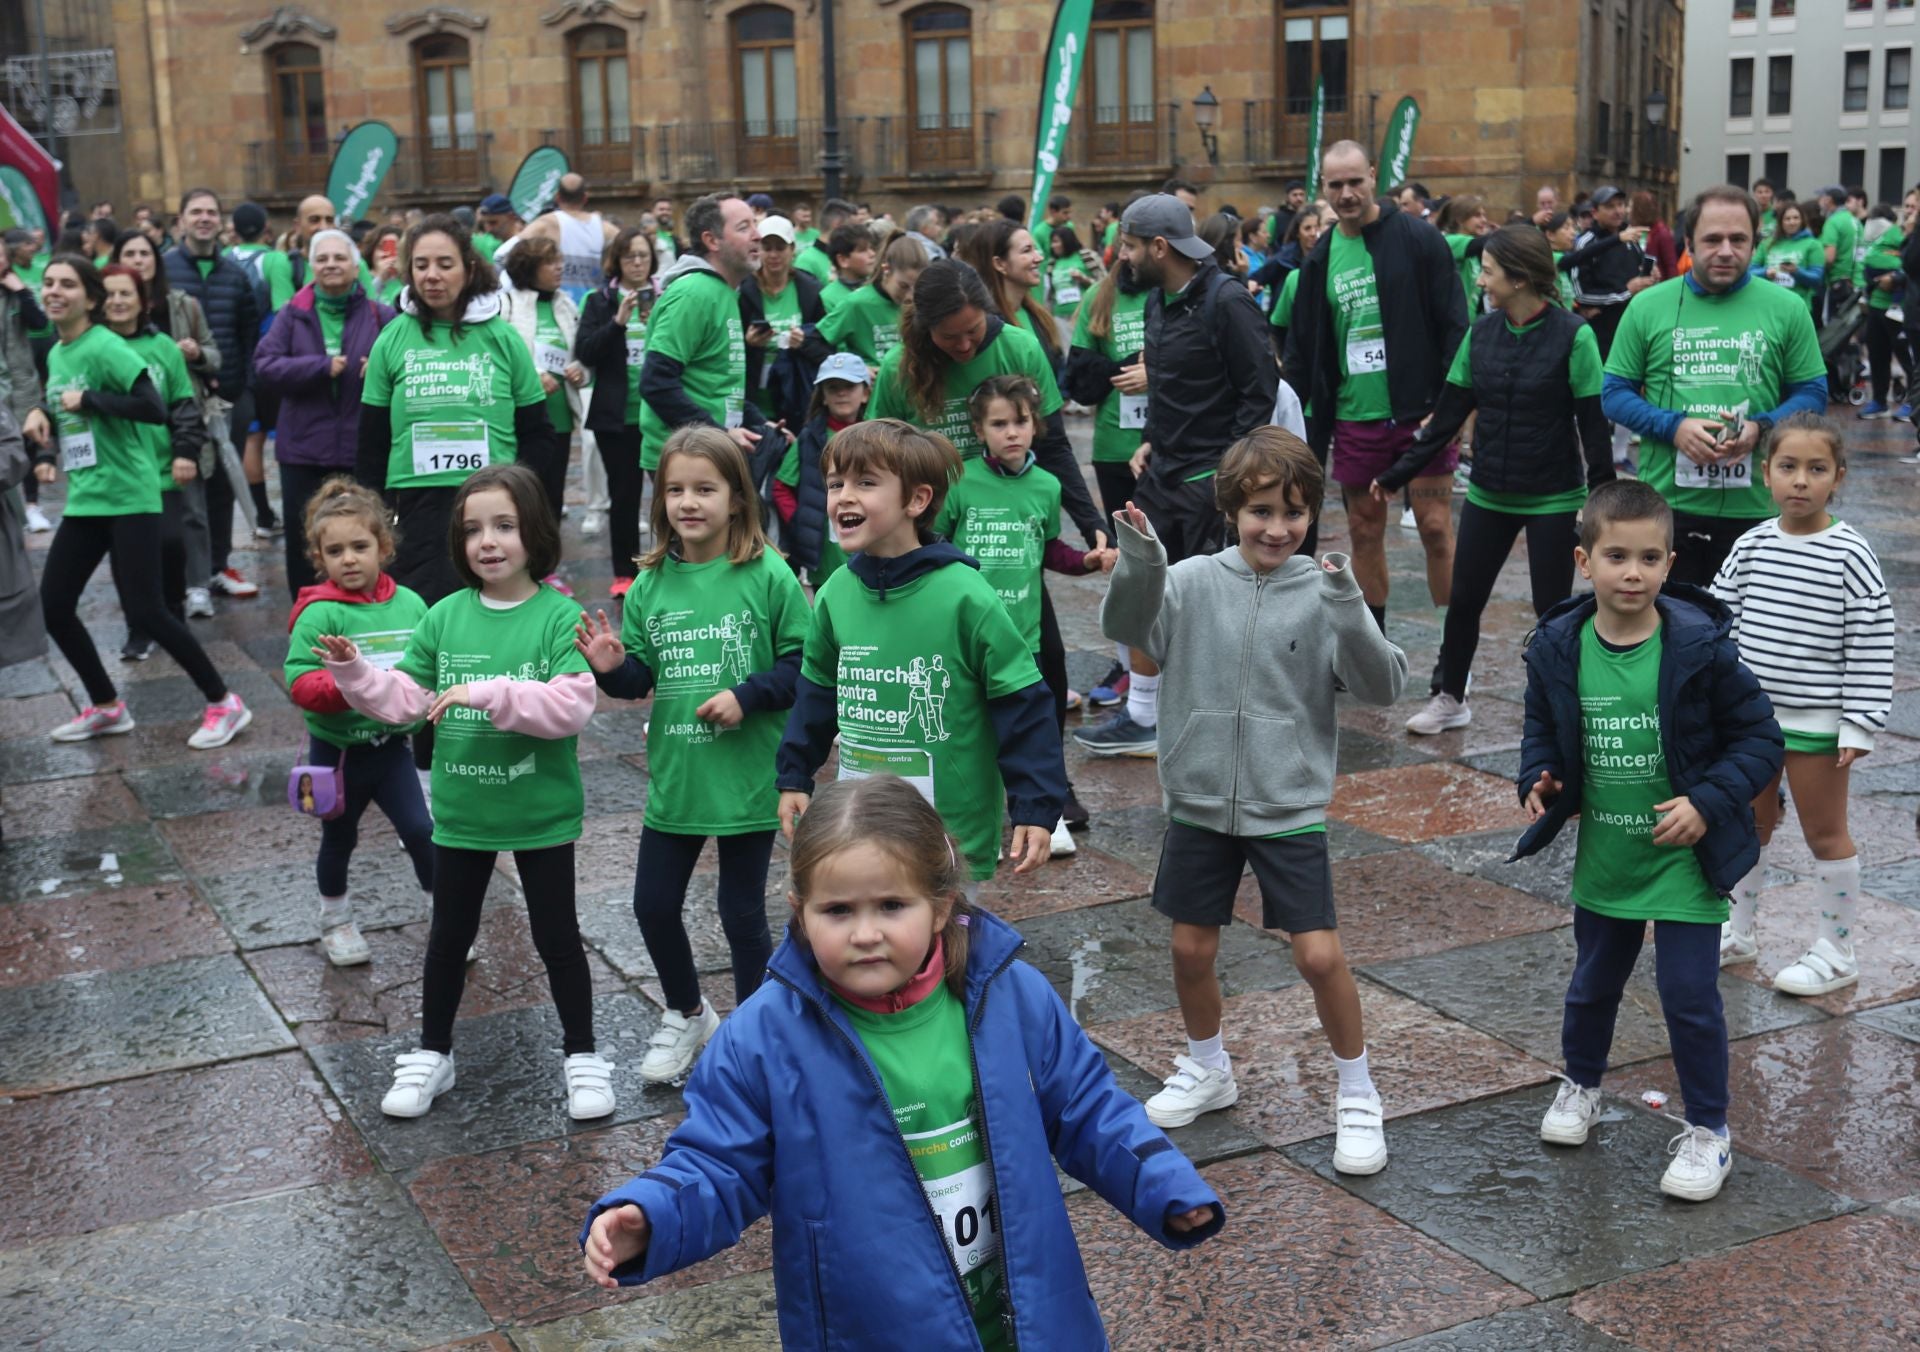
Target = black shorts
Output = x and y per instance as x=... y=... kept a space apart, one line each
x=253 y=407
x=1200 y=873
x=1701 y=544
x=1183 y=513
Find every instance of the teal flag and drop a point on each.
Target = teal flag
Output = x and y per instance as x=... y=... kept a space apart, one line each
x=1065 y=55
x=537 y=181
x=1314 y=130
x=18 y=204
x=360 y=166
x=1396 y=150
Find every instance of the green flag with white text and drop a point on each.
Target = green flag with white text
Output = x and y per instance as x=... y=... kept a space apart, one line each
x=1314 y=129
x=18 y=204
x=1065 y=55
x=536 y=181
x=1396 y=149
x=360 y=166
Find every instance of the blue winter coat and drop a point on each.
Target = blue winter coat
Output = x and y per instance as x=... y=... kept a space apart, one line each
x=786 y=1114
x=1717 y=730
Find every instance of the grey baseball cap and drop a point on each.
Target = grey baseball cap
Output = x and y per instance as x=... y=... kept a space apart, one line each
x=842 y=366
x=1165 y=216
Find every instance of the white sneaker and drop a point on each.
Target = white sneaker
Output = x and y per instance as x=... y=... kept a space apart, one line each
x=221 y=723
x=1407 y=521
x=1359 y=1134
x=422 y=1076
x=1192 y=1089
x=1442 y=714
x=1063 y=841
x=1575 y=1109
x=37 y=523
x=589 y=1086
x=1735 y=947
x=345 y=946
x=229 y=582
x=1702 y=1159
x=1822 y=968
x=96 y=720
x=676 y=1042
x=199 y=603
x=592 y=524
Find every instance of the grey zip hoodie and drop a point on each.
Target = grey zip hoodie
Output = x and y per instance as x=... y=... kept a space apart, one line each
x=1247 y=727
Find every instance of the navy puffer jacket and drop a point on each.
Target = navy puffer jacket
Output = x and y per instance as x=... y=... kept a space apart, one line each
x=226 y=296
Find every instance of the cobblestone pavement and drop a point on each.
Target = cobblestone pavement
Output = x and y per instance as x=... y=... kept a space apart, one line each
x=193 y=1155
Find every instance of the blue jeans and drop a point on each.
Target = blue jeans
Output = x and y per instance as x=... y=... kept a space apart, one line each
x=377 y=772
x=1687 y=973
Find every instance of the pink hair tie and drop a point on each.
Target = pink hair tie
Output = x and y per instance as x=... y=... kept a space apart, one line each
x=963 y=919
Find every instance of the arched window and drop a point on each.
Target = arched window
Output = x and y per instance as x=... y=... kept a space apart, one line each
x=443 y=84
x=602 y=123
x=940 y=88
x=768 y=101
x=1120 y=118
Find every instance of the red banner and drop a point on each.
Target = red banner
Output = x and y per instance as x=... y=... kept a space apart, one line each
x=40 y=169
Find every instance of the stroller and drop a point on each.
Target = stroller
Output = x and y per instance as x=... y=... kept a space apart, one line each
x=1840 y=348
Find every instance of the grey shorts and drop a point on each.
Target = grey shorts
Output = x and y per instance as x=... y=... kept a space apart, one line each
x=1200 y=872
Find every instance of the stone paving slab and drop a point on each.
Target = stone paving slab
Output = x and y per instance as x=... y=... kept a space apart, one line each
x=347 y=1266
x=738 y=1315
x=28 y=678
x=1478 y=1178
x=1902 y=1020
x=1896 y=882
x=34 y=715
x=1088 y=877
x=75 y=863
x=607 y=923
x=1547 y=874
x=216 y=843
x=43 y=938
x=96 y=1027
x=1515 y=989
x=1496 y=726
x=509 y=1086
x=1883 y=832
x=83 y=1161
x=1107 y=784
x=238 y=775
x=59 y=806
x=279 y=904
x=1419 y=802
x=1547 y=1327
x=1887 y=945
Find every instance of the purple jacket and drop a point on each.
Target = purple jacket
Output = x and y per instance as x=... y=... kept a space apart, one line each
x=319 y=416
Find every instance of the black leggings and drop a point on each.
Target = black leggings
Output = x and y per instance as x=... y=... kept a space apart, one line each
x=1485 y=539
x=376 y=772
x=298 y=484
x=1115 y=480
x=626 y=483
x=460 y=879
x=1885 y=341
x=547 y=457
x=220 y=504
x=132 y=543
x=1052 y=656
x=1701 y=544
x=666 y=866
x=173 y=564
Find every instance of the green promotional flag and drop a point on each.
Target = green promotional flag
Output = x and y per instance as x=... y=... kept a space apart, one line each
x=19 y=206
x=360 y=166
x=1062 y=82
x=536 y=181
x=1314 y=129
x=1396 y=151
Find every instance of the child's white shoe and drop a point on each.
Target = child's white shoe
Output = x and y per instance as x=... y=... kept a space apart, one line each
x=589 y=1086
x=1822 y=968
x=1191 y=1090
x=345 y=946
x=1735 y=947
x=1575 y=1109
x=1063 y=841
x=420 y=1078
x=1702 y=1159
x=1360 y=1134
x=676 y=1043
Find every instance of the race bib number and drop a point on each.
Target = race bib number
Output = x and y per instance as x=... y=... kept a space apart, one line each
x=913 y=765
x=964 y=1202
x=550 y=359
x=1735 y=474
x=736 y=411
x=636 y=351
x=449 y=448
x=1133 y=412
x=1367 y=356
x=383 y=648
x=77 y=450
x=1784 y=279
x=1068 y=295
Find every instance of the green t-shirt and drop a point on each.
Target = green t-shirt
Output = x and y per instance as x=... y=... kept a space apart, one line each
x=926 y=1066
x=783 y=313
x=1282 y=315
x=1468 y=268
x=1013 y=352
x=485 y=244
x=495 y=790
x=1064 y=287
x=31 y=274
x=550 y=350
x=697 y=323
x=1841 y=233
x=1354 y=296
x=832 y=557
x=1803 y=251
x=911 y=677
x=835 y=294
x=1618 y=871
x=703 y=628
x=804 y=239
x=1565 y=279
x=380 y=629
x=1113 y=233
x=1004 y=521
x=1883 y=255
x=1698 y=354
x=108 y=461
x=815 y=261
x=452 y=401
x=332 y=313
x=1767 y=223
x=271 y=265
x=1120 y=420
x=167 y=369
x=867 y=324
x=1583 y=379
x=636 y=359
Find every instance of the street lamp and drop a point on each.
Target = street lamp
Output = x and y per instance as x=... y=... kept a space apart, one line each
x=1206 y=112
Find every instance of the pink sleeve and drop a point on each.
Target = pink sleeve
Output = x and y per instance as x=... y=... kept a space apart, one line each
x=551 y=709
x=389 y=696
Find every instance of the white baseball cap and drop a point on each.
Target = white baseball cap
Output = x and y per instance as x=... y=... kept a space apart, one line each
x=777 y=227
x=843 y=366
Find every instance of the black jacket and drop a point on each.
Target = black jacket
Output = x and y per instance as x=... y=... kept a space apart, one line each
x=1210 y=374
x=807 y=531
x=1423 y=312
x=600 y=345
x=1601 y=265
x=793 y=371
x=1532 y=430
x=226 y=296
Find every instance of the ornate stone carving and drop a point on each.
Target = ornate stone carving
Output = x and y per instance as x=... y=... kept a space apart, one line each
x=288 y=21
x=436 y=19
x=590 y=9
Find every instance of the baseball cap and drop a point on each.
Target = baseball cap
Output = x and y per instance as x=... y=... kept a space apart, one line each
x=760 y=202
x=777 y=227
x=499 y=204
x=249 y=220
x=1602 y=196
x=843 y=366
x=1163 y=216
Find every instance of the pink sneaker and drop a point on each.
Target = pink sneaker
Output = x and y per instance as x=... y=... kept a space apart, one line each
x=221 y=723
x=96 y=720
x=559 y=584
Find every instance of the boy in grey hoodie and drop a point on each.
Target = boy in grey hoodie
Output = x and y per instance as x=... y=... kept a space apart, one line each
x=1251 y=641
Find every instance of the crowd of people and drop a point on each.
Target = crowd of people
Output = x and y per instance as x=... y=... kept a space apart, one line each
x=831 y=464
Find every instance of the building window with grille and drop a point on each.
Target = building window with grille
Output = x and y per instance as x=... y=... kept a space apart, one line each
x=1740 y=87
x=1119 y=111
x=1853 y=167
x=602 y=125
x=300 y=144
x=443 y=84
x=1779 y=86
x=1893 y=173
x=1899 y=78
x=768 y=99
x=1315 y=47
x=1746 y=9
x=1602 y=129
x=1739 y=170
x=1855 y=82
x=940 y=78
x=1773 y=166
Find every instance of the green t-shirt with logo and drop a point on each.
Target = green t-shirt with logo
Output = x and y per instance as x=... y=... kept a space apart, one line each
x=1618 y=871
x=1803 y=251
x=866 y=324
x=911 y=677
x=380 y=629
x=835 y=294
x=1013 y=352
x=832 y=557
x=1120 y=420
x=1354 y=296
x=1841 y=233
x=1883 y=255
x=452 y=401
x=1584 y=376
x=1064 y=288
x=697 y=323
x=551 y=349
x=926 y=1066
x=783 y=313
x=108 y=461
x=495 y=790
x=703 y=628
x=1698 y=354
x=636 y=359
x=167 y=369
x=1004 y=521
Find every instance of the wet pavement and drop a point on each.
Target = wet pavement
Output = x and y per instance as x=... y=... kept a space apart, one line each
x=193 y=1155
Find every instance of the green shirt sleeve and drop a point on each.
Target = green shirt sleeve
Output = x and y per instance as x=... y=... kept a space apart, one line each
x=1583 y=365
x=301 y=642
x=839 y=330
x=792 y=616
x=523 y=376
x=1000 y=656
x=179 y=385
x=1081 y=337
x=949 y=516
x=1628 y=356
x=1800 y=349
x=820 y=655
x=889 y=396
x=421 y=661
x=378 y=389
x=277 y=268
x=789 y=471
x=1035 y=366
x=1461 y=372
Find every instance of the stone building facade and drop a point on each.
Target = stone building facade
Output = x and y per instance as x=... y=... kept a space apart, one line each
x=936 y=97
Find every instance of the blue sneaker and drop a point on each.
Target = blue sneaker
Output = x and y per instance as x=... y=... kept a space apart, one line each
x=1904 y=413
x=1873 y=408
x=1118 y=736
x=1111 y=690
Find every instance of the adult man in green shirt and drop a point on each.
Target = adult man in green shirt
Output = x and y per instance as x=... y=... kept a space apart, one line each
x=1701 y=367
x=1840 y=237
x=1763 y=196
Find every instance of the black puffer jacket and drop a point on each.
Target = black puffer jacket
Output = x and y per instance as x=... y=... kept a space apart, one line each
x=803 y=536
x=226 y=296
x=600 y=345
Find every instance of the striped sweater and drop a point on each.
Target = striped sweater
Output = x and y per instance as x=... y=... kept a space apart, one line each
x=1815 y=624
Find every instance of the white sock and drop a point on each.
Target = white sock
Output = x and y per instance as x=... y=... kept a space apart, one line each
x=1839 y=880
x=334 y=912
x=1355 y=1079
x=1143 y=700
x=1746 y=895
x=1124 y=656
x=1622 y=440
x=1211 y=1052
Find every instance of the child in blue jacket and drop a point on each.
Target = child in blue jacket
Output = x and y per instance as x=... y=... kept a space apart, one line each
x=895 y=1095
